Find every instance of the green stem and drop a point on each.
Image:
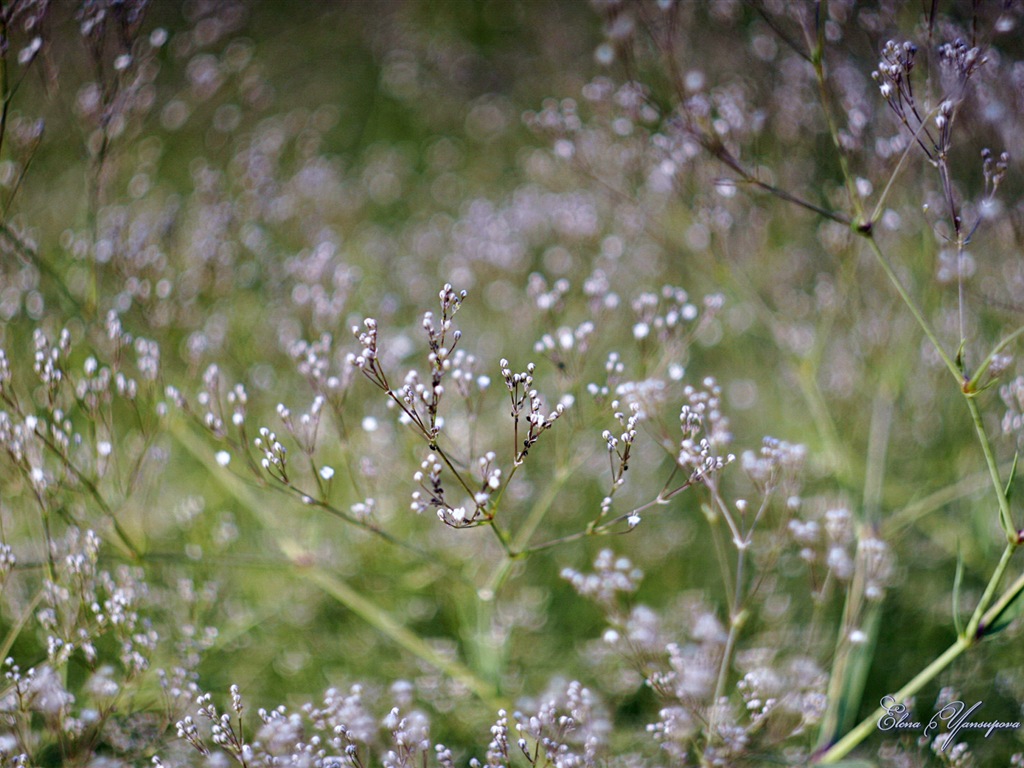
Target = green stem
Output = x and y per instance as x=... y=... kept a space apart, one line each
x=843 y=747
x=912 y=306
x=1001 y=604
x=990 y=590
x=1005 y=516
x=983 y=617
x=366 y=609
x=882 y=198
x=903 y=518
x=387 y=625
x=522 y=537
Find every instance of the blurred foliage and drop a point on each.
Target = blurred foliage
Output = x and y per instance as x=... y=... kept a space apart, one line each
x=258 y=174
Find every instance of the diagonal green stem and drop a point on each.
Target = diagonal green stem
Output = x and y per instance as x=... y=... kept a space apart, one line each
x=1005 y=517
x=912 y=306
x=366 y=609
x=990 y=589
x=843 y=747
x=394 y=630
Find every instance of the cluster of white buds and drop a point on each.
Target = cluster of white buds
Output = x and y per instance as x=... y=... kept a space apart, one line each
x=451 y=302
x=556 y=116
x=756 y=689
x=598 y=288
x=222 y=731
x=944 y=117
x=49 y=358
x=441 y=348
x=525 y=399
x=7 y=561
x=564 y=729
x=613 y=368
x=411 y=737
x=94 y=386
x=275 y=455
x=944 y=122
x=960 y=59
x=306 y=428
x=702 y=456
x=148 y=358
x=547 y=299
x=490 y=480
x=517 y=383
x=421 y=400
x=664 y=314
x=540 y=421
x=776 y=463
x=188 y=731
x=839 y=531
x=428 y=477
x=440 y=364
x=707 y=402
x=62 y=431
x=620 y=445
x=893 y=74
x=647 y=395
x=455 y=517
x=994 y=169
x=806 y=534
x=612 y=576
x=498 y=749
x=209 y=399
x=361 y=510
x=176 y=397
x=13 y=436
x=561 y=346
x=238 y=399
x=699 y=457
x=690 y=421
x=115 y=332
x=432 y=494
x=611 y=440
x=875 y=562
x=464 y=376
x=628 y=422
x=312 y=358
x=367 y=338
x=126 y=387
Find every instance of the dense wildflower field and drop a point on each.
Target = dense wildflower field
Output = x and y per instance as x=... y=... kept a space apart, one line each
x=506 y=383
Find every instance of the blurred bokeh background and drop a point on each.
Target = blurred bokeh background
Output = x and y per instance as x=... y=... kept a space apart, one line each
x=256 y=178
